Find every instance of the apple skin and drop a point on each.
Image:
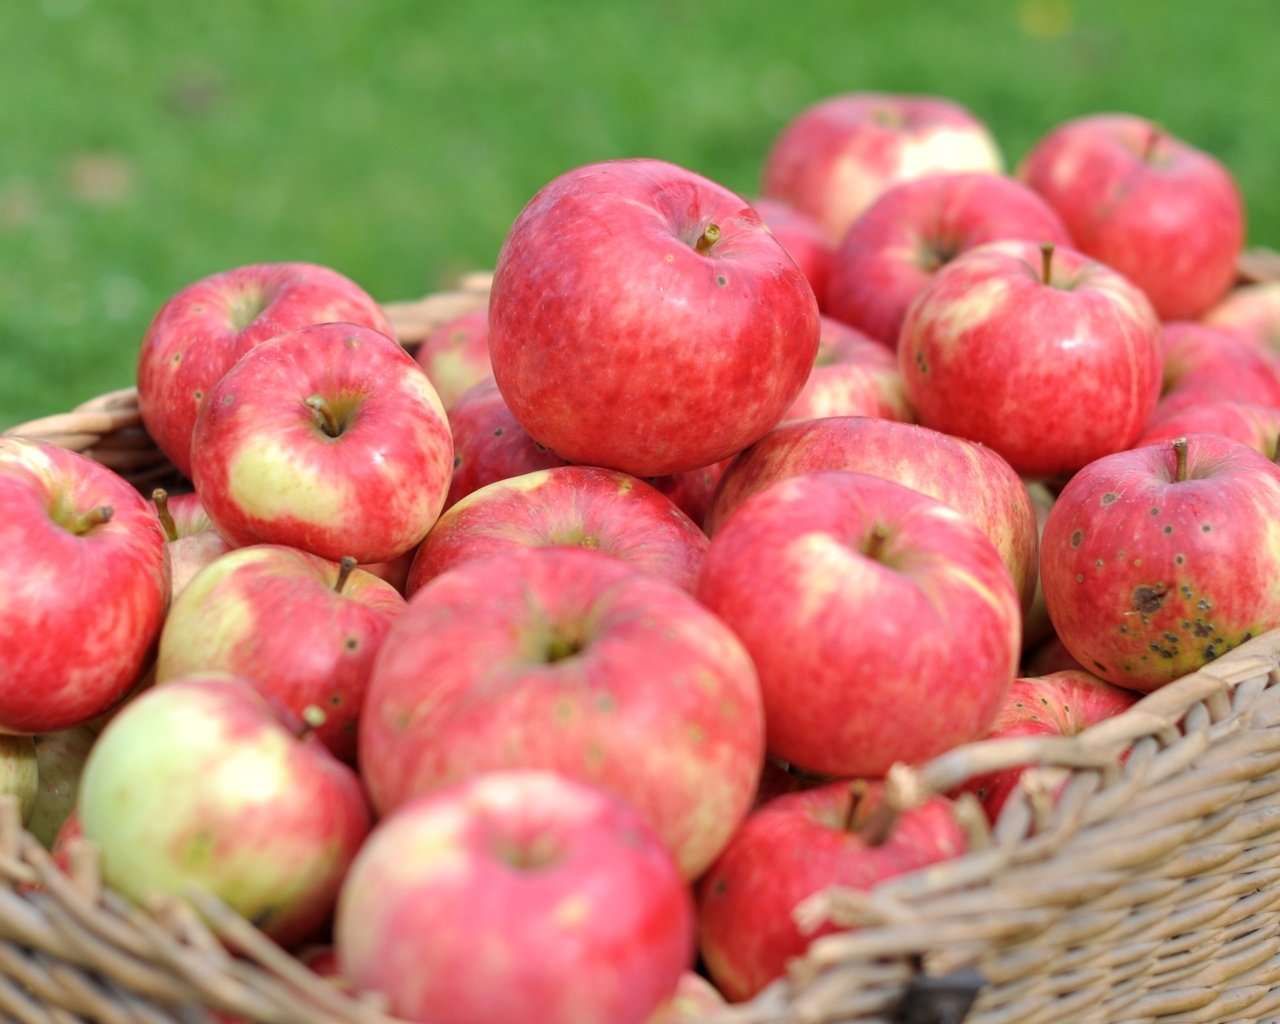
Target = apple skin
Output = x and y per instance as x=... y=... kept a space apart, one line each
x=598 y=295
x=81 y=610
x=852 y=375
x=1062 y=703
x=365 y=477
x=835 y=157
x=272 y=614
x=569 y=660
x=970 y=478
x=455 y=356
x=1204 y=363
x=1165 y=214
x=60 y=760
x=854 y=635
x=992 y=352
x=791 y=848
x=1048 y=656
x=803 y=237
x=901 y=240
x=193 y=540
x=1148 y=577
x=1258 y=426
x=578 y=506
x=200 y=332
x=695 y=997
x=198 y=782
x=1252 y=311
x=516 y=896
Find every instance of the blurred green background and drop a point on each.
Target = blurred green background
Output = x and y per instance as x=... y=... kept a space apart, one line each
x=145 y=144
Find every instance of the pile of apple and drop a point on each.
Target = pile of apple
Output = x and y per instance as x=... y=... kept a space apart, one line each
x=541 y=673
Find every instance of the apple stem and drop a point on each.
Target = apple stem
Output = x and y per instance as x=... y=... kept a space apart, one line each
x=1179 y=460
x=86 y=521
x=1046 y=262
x=874 y=547
x=857 y=793
x=877 y=826
x=345 y=568
x=710 y=235
x=161 y=499
x=324 y=415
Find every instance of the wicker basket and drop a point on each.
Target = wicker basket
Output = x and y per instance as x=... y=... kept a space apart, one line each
x=1138 y=890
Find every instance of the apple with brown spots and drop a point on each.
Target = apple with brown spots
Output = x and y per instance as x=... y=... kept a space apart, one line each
x=574 y=506
x=305 y=628
x=569 y=660
x=1039 y=352
x=329 y=439
x=643 y=318
x=1153 y=207
x=200 y=332
x=516 y=896
x=1157 y=560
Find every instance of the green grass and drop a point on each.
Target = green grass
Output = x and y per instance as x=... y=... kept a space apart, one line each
x=148 y=144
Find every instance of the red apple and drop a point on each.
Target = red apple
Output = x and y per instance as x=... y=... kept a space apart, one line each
x=853 y=594
x=622 y=277
x=455 y=356
x=86 y=584
x=304 y=628
x=578 y=506
x=1157 y=560
x=194 y=541
x=569 y=660
x=692 y=491
x=1048 y=656
x=794 y=847
x=1062 y=703
x=329 y=439
x=516 y=896
x=1165 y=214
x=199 y=783
x=852 y=375
x=1046 y=356
x=1203 y=363
x=970 y=478
x=914 y=228
x=802 y=236
x=1251 y=310
x=694 y=998
x=834 y=158
x=200 y=332
x=1035 y=617
x=1258 y=426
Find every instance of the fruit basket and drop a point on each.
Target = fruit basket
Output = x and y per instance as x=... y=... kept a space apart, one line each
x=1143 y=888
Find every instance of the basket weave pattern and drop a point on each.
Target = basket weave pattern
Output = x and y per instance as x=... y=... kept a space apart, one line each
x=1138 y=890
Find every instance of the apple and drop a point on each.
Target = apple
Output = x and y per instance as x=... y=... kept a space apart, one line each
x=60 y=759
x=852 y=375
x=1062 y=703
x=1048 y=656
x=918 y=226
x=86 y=584
x=201 y=783
x=692 y=490
x=19 y=771
x=643 y=318
x=1041 y=353
x=329 y=439
x=970 y=478
x=852 y=595
x=200 y=332
x=794 y=847
x=1159 y=559
x=455 y=356
x=803 y=237
x=516 y=896
x=194 y=541
x=1256 y=425
x=579 y=506
x=1153 y=207
x=1204 y=363
x=305 y=629
x=1252 y=310
x=569 y=660
x=835 y=157
x=694 y=998
x=1035 y=618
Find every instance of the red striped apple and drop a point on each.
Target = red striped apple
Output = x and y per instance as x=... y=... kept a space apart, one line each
x=852 y=375
x=618 y=279
x=1251 y=310
x=455 y=356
